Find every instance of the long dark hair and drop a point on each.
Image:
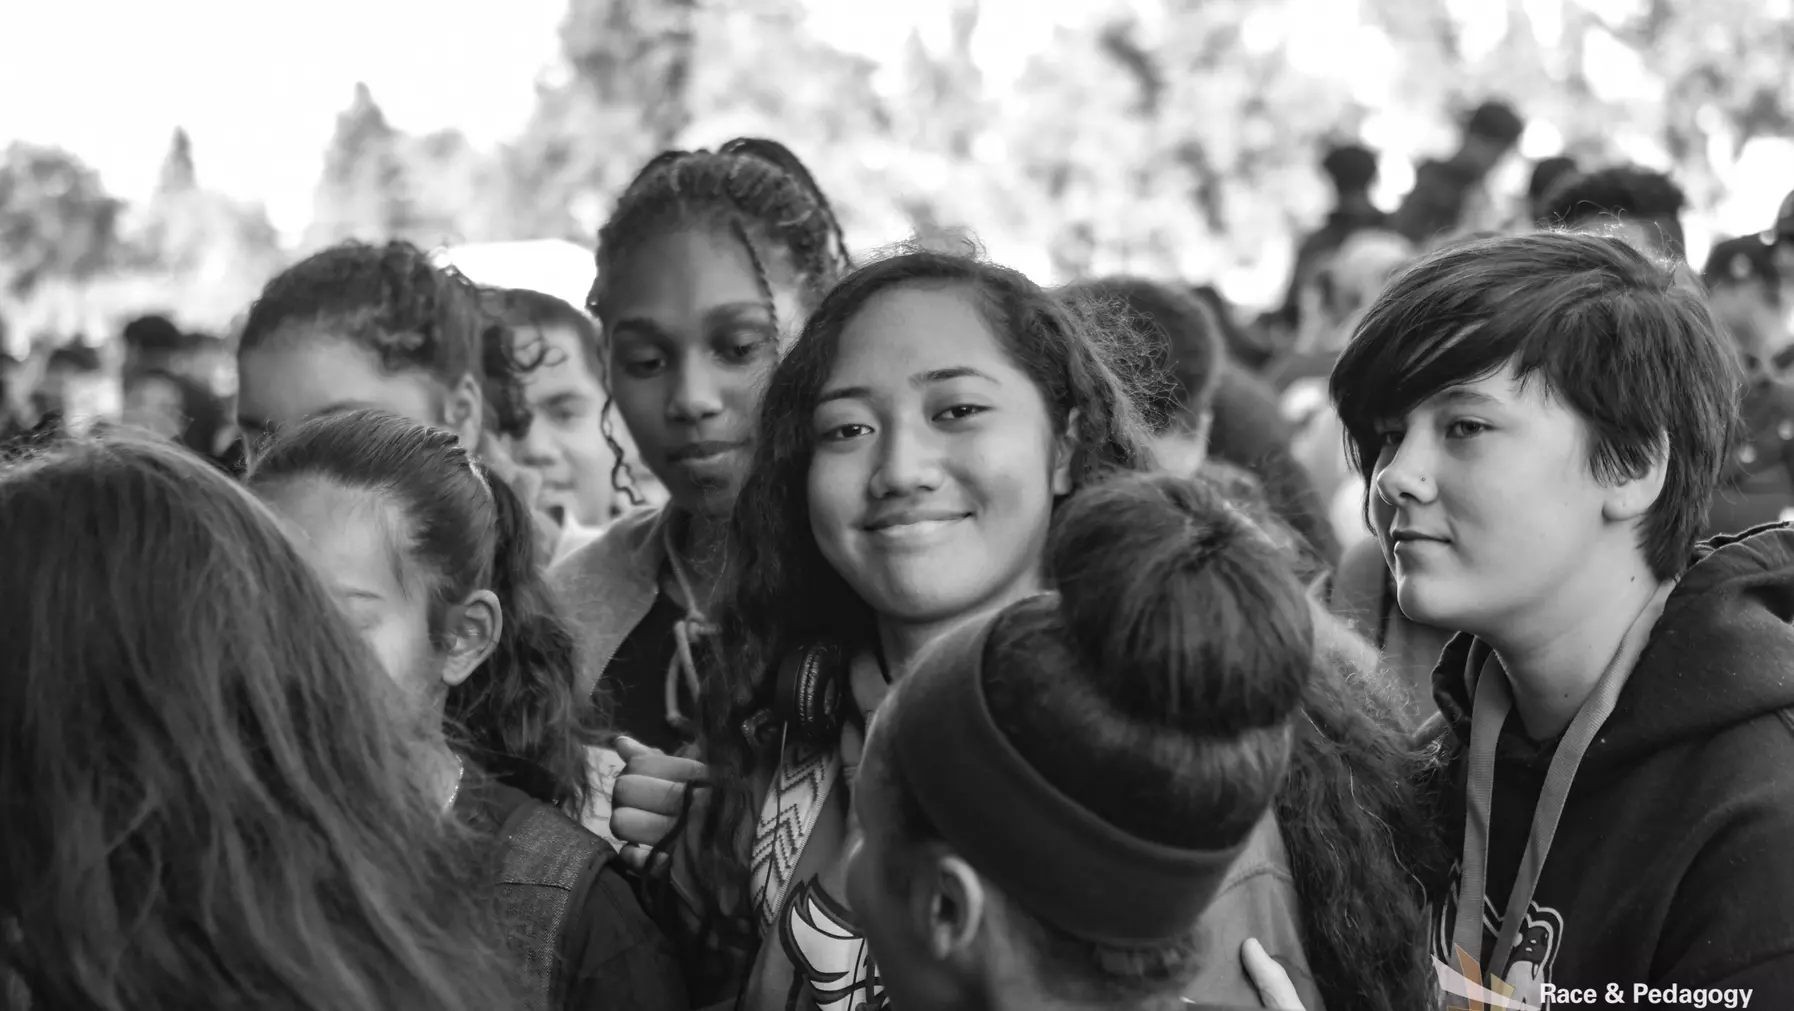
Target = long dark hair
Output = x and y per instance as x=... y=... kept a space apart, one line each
x=1354 y=826
x=207 y=799
x=520 y=712
x=778 y=591
x=416 y=315
x=1356 y=832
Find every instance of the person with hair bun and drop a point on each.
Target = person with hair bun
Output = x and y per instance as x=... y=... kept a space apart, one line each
x=207 y=801
x=707 y=268
x=1114 y=746
x=433 y=559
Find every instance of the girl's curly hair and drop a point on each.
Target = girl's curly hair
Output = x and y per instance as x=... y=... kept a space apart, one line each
x=416 y=315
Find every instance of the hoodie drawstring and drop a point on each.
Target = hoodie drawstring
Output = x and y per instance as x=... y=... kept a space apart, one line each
x=682 y=665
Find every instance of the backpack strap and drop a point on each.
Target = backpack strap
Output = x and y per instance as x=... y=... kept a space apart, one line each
x=546 y=861
x=794 y=801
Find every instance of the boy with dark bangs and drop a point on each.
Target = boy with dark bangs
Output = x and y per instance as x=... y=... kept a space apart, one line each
x=1541 y=421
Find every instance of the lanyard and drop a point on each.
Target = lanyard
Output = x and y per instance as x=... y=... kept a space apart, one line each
x=1493 y=701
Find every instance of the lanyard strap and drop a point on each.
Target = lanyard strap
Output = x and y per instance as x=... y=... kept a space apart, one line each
x=1493 y=702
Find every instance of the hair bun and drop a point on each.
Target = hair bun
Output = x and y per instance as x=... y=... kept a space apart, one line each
x=1188 y=614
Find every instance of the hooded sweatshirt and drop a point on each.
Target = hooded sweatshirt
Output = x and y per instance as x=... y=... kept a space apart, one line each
x=1673 y=862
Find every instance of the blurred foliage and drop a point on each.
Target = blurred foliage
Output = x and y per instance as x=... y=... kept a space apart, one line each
x=55 y=219
x=1148 y=136
x=208 y=254
x=74 y=261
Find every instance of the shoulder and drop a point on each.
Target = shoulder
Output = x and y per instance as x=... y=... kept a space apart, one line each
x=1257 y=899
x=1263 y=865
x=540 y=845
x=554 y=874
x=615 y=955
x=1734 y=906
x=1746 y=770
x=1738 y=786
x=624 y=542
x=574 y=537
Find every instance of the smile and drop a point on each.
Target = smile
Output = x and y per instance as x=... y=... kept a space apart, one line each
x=913 y=530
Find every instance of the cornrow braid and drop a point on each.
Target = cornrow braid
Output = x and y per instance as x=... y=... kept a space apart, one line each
x=754 y=187
x=780 y=155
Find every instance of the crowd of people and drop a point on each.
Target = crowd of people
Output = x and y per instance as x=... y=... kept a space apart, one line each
x=791 y=629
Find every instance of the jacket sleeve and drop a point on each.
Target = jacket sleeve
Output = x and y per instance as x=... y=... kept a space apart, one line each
x=1771 y=983
x=617 y=960
x=1733 y=913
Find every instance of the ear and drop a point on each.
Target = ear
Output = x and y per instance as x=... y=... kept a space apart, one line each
x=954 y=908
x=1064 y=452
x=464 y=412
x=474 y=628
x=1631 y=498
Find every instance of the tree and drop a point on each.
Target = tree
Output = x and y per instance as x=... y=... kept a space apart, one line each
x=56 y=219
x=366 y=190
x=178 y=174
x=206 y=254
x=455 y=191
x=760 y=71
x=625 y=97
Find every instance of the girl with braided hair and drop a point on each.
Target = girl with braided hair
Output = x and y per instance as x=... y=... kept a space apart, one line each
x=707 y=268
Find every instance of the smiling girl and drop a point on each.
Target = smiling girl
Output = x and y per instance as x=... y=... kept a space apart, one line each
x=706 y=271
x=915 y=446
x=1128 y=733
x=912 y=448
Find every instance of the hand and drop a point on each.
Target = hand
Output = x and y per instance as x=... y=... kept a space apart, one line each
x=1274 y=987
x=647 y=800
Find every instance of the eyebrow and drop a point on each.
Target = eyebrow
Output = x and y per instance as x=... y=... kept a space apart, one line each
x=918 y=380
x=718 y=313
x=1465 y=395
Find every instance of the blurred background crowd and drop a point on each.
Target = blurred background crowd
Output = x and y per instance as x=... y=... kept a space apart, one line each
x=1280 y=157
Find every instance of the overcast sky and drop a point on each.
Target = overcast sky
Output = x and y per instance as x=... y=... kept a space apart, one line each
x=258 y=84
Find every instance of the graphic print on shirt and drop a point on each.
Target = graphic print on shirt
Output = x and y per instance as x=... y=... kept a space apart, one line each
x=1529 y=966
x=829 y=954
